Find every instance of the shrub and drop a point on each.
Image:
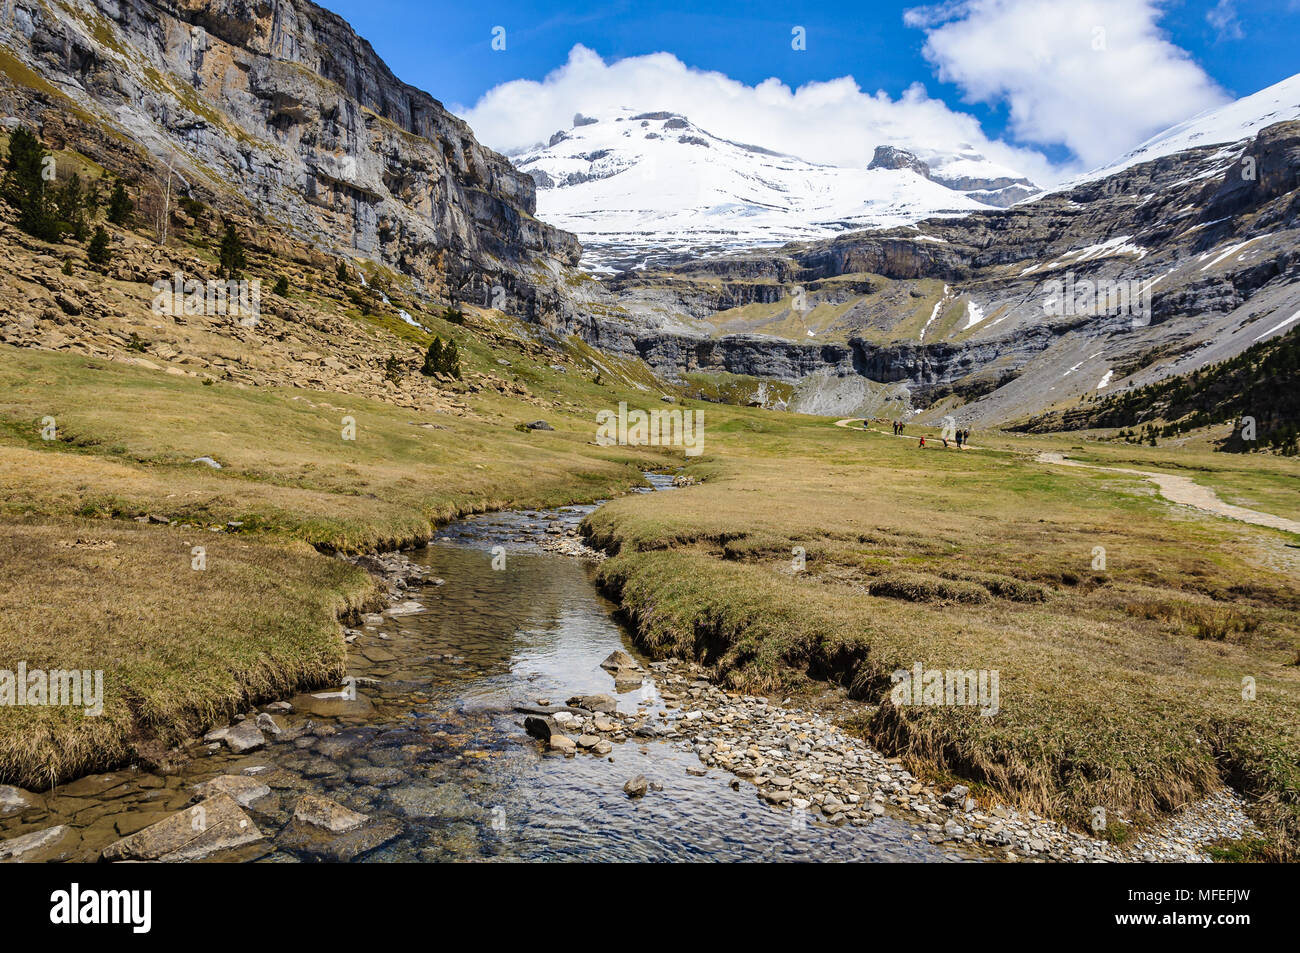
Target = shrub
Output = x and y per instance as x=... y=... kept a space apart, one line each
x=98 y=251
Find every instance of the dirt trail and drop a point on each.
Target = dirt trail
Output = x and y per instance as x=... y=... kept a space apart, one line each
x=934 y=441
x=1176 y=489
x=1181 y=489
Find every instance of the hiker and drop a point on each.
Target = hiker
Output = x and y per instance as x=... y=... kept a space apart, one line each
x=958 y=439
x=922 y=443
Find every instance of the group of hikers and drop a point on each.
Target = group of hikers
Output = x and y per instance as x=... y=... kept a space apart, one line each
x=961 y=436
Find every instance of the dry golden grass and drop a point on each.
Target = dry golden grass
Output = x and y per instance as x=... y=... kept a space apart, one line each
x=184 y=649
x=180 y=648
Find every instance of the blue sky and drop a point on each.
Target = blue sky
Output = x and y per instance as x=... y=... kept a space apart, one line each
x=1240 y=45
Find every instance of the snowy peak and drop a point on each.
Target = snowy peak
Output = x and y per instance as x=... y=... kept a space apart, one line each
x=1226 y=125
x=640 y=186
x=967 y=172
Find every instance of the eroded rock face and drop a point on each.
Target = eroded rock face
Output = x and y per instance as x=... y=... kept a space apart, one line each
x=284 y=107
x=1212 y=248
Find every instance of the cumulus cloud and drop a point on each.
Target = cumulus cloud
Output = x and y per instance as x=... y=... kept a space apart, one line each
x=833 y=122
x=1096 y=76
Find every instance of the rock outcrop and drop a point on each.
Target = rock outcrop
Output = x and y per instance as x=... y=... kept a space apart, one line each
x=1167 y=265
x=278 y=109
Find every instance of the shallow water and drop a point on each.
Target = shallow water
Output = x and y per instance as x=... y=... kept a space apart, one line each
x=444 y=755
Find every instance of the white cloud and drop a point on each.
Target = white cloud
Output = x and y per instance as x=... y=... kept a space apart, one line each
x=833 y=122
x=1096 y=76
x=1223 y=17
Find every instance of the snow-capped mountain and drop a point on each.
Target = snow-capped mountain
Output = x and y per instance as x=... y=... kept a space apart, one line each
x=639 y=187
x=1226 y=125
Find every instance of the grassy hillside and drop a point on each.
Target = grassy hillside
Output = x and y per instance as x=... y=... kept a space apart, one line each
x=1262 y=382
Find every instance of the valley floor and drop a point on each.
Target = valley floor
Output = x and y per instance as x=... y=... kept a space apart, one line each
x=1146 y=653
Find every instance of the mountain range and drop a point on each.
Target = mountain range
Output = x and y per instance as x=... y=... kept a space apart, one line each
x=653 y=187
x=904 y=284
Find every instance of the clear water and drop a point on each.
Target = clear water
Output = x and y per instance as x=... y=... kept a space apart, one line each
x=464 y=781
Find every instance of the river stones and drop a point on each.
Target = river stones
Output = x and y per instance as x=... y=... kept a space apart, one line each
x=378 y=777
x=601 y=703
x=245 y=736
x=267 y=723
x=619 y=660
x=561 y=743
x=304 y=839
x=326 y=814
x=427 y=799
x=542 y=727
x=214 y=825
x=636 y=787
x=244 y=790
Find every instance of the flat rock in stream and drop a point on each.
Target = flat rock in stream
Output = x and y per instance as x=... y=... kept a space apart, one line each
x=32 y=846
x=243 y=789
x=12 y=799
x=318 y=844
x=340 y=704
x=216 y=824
x=601 y=703
x=326 y=814
x=245 y=736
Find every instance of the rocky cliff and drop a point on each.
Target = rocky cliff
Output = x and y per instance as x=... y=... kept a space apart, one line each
x=277 y=110
x=1160 y=268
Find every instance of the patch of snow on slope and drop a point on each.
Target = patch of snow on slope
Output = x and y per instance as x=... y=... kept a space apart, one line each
x=938 y=306
x=1278 y=327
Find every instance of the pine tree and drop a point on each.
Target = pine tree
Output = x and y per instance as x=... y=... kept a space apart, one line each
x=433 y=359
x=24 y=186
x=119 y=205
x=98 y=251
x=342 y=274
x=451 y=360
x=232 y=253
x=281 y=287
x=71 y=202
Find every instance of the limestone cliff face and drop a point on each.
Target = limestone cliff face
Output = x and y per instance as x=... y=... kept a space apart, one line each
x=280 y=104
x=1205 y=239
